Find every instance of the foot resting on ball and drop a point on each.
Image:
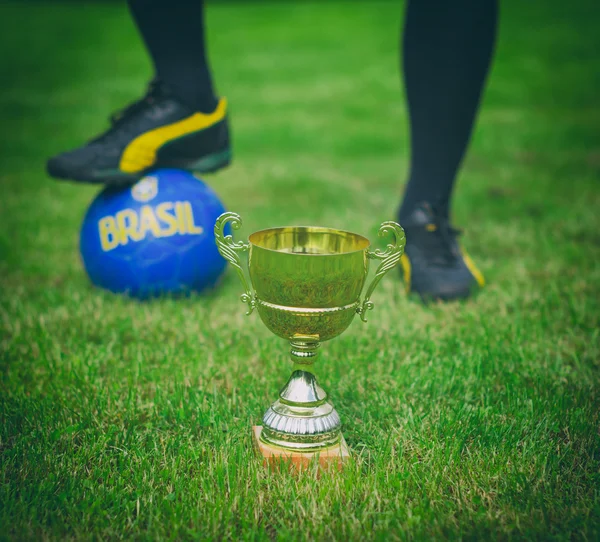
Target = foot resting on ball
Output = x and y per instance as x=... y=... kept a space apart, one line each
x=157 y=131
x=433 y=264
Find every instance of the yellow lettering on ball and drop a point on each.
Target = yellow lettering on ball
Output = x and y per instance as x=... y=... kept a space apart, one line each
x=148 y=222
x=109 y=233
x=181 y=219
x=127 y=224
x=165 y=220
x=163 y=214
x=189 y=218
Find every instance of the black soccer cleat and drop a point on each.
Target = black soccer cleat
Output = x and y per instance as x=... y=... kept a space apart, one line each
x=157 y=131
x=433 y=264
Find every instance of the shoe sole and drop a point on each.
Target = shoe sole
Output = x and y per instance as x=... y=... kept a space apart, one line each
x=427 y=298
x=207 y=164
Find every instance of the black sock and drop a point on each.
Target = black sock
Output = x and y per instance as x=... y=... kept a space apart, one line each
x=173 y=31
x=447 y=53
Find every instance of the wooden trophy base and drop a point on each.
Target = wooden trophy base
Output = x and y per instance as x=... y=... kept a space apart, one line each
x=333 y=457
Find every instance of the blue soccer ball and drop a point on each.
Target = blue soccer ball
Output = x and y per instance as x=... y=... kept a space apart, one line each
x=153 y=238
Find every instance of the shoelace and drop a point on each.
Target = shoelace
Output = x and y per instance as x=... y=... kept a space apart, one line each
x=117 y=119
x=448 y=253
x=154 y=88
x=438 y=241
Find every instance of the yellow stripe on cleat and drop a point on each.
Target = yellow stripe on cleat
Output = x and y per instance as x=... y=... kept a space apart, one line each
x=406 y=270
x=473 y=268
x=141 y=152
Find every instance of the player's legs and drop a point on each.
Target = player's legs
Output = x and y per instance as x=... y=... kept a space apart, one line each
x=447 y=53
x=178 y=123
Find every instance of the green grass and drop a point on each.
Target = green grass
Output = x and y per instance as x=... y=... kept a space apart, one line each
x=471 y=420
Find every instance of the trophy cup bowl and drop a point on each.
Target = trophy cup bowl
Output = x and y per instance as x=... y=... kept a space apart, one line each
x=307 y=284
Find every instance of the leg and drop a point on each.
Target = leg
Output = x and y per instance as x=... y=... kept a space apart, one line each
x=447 y=54
x=173 y=31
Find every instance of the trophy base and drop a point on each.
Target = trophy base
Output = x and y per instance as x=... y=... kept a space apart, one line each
x=330 y=457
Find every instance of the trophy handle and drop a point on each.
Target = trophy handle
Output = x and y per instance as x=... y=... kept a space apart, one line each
x=229 y=250
x=389 y=258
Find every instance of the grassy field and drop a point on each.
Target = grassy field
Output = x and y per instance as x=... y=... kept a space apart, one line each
x=471 y=420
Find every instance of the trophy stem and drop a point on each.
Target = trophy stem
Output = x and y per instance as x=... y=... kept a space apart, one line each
x=302 y=419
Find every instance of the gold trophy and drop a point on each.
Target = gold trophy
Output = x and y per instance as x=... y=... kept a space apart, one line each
x=307 y=285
